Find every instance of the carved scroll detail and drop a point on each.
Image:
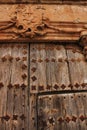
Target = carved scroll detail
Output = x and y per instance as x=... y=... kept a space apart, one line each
x=41 y=29
x=83 y=43
x=8 y=25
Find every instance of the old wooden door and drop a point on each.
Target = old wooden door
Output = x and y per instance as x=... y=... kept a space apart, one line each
x=58 y=87
x=43 y=86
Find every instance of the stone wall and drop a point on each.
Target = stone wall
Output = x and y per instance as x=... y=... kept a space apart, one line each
x=46 y=1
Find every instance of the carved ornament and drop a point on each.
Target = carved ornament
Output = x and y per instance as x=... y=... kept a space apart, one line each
x=31 y=23
x=43 y=29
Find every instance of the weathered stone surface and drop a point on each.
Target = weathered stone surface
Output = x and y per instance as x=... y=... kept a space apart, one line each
x=42 y=22
x=46 y=1
x=19 y=1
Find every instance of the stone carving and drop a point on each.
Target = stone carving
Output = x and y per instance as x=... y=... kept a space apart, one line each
x=83 y=42
x=8 y=25
x=18 y=29
x=41 y=29
x=45 y=30
x=27 y=22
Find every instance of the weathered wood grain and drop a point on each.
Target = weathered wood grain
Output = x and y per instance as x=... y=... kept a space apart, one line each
x=54 y=69
x=14 y=94
x=36 y=87
x=4 y=79
x=33 y=119
x=60 y=67
x=62 y=111
x=77 y=68
x=48 y=68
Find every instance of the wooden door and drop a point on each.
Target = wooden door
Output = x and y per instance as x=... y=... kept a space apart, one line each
x=58 y=87
x=43 y=86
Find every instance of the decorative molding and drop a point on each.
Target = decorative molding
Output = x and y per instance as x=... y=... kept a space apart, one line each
x=42 y=22
x=83 y=42
x=42 y=30
x=31 y=23
x=45 y=1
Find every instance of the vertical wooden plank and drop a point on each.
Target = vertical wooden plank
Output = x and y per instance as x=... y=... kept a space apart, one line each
x=81 y=107
x=83 y=117
x=10 y=88
x=59 y=69
x=44 y=108
x=21 y=87
x=17 y=81
x=14 y=104
x=44 y=79
x=26 y=84
x=59 y=114
x=33 y=112
x=33 y=69
x=4 y=79
x=77 y=68
x=71 y=112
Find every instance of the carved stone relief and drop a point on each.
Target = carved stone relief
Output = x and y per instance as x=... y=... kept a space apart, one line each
x=41 y=28
x=43 y=23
